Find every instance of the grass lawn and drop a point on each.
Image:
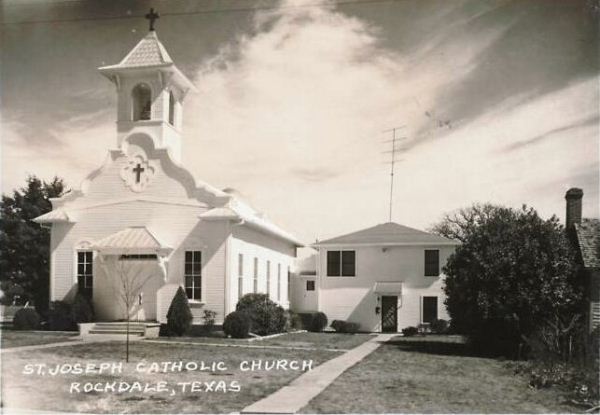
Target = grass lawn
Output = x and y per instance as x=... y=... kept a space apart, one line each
x=432 y=374
x=52 y=392
x=15 y=338
x=338 y=341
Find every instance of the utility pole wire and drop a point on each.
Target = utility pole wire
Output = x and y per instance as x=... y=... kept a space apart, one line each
x=393 y=163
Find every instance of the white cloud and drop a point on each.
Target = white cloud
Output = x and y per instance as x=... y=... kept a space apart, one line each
x=84 y=149
x=301 y=105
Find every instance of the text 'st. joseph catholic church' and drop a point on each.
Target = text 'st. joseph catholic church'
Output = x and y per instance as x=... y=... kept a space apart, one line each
x=144 y=217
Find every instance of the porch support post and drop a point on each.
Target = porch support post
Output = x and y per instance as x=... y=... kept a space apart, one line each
x=163 y=261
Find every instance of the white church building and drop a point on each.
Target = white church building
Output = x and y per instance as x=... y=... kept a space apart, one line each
x=143 y=215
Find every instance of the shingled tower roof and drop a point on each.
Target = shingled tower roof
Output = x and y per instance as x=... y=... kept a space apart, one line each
x=148 y=52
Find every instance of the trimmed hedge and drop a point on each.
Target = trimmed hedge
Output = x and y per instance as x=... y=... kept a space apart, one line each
x=439 y=326
x=410 y=331
x=266 y=317
x=26 y=319
x=237 y=325
x=345 y=326
x=314 y=322
x=293 y=321
x=81 y=310
x=59 y=317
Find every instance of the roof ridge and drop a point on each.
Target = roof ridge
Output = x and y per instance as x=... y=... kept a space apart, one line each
x=388 y=232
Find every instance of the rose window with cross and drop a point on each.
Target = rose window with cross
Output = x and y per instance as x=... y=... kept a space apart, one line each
x=138 y=172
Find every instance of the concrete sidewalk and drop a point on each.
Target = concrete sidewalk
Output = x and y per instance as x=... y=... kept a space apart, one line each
x=293 y=397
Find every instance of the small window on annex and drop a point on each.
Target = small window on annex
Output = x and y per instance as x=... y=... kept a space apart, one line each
x=142 y=102
x=310 y=285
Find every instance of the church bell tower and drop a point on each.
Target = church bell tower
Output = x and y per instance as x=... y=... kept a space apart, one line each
x=151 y=91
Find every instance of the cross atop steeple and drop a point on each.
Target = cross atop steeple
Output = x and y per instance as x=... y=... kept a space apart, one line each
x=152 y=16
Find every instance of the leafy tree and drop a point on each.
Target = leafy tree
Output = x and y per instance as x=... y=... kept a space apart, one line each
x=24 y=257
x=179 y=316
x=512 y=272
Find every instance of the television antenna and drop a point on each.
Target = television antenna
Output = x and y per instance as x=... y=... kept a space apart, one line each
x=393 y=153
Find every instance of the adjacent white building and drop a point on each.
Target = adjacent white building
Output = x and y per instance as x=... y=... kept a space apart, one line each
x=385 y=278
x=144 y=215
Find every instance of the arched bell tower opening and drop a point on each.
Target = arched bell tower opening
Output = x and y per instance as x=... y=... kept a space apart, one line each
x=141 y=99
x=151 y=91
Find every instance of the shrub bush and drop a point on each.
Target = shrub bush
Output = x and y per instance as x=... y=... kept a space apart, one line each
x=179 y=316
x=345 y=326
x=13 y=293
x=314 y=322
x=26 y=319
x=337 y=325
x=293 y=321
x=59 y=317
x=237 y=325
x=410 y=331
x=81 y=310
x=439 y=326
x=208 y=317
x=266 y=317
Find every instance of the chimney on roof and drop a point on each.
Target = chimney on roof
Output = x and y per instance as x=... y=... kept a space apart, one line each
x=573 y=197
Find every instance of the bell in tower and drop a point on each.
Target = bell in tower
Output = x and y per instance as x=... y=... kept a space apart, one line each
x=151 y=91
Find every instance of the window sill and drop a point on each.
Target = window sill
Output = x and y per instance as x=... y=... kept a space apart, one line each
x=196 y=302
x=432 y=276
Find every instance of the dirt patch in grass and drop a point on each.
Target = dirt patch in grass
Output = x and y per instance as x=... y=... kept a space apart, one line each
x=52 y=392
x=16 y=338
x=431 y=375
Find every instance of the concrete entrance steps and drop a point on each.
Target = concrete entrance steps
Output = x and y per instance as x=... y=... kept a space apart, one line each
x=119 y=328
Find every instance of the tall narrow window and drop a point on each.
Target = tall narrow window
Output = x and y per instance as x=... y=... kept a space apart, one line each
x=269 y=279
x=240 y=276
x=142 y=102
x=171 y=108
x=193 y=275
x=278 y=282
x=289 y=275
x=255 y=279
x=432 y=262
x=85 y=276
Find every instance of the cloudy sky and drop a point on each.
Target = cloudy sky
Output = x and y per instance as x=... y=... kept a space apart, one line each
x=499 y=100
